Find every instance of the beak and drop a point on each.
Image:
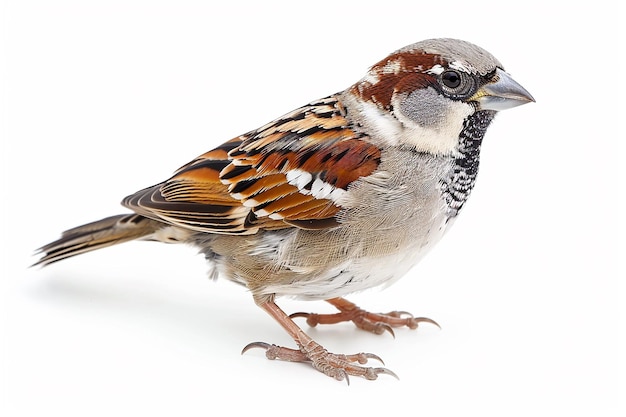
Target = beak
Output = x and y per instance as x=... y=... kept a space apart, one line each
x=502 y=93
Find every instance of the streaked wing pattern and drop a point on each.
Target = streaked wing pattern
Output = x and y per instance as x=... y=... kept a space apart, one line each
x=291 y=172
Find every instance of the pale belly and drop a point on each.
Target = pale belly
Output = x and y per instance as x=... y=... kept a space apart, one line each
x=358 y=273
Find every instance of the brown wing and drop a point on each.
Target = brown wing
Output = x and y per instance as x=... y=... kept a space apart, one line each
x=291 y=172
x=195 y=198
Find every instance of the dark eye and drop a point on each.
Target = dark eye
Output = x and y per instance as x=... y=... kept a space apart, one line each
x=457 y=85
x=451 y=79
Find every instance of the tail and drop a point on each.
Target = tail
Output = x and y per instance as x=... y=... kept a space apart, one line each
x=96 y=235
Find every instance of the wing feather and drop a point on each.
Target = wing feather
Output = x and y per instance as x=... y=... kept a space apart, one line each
x=290 y=173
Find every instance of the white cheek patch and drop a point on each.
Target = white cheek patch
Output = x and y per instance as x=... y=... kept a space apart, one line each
x=429 y=124
x=432 y=123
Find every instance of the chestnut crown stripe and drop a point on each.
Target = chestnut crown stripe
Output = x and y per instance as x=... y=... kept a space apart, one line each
x=399 y=72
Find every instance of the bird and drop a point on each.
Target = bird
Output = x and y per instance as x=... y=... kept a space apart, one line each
x=343 y=194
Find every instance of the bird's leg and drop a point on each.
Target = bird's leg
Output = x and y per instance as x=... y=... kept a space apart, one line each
x=376 y=323
x=334 y=365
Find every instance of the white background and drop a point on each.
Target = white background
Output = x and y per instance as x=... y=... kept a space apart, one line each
x=100 y=100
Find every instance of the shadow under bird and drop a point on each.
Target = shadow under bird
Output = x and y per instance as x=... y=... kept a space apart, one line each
x=343 y=194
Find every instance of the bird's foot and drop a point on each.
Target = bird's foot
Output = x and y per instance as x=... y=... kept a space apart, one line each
x=377 y=323
x=333 y=365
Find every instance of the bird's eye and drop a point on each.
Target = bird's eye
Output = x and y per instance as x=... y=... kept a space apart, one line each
x=457 y=85
x=451 y=79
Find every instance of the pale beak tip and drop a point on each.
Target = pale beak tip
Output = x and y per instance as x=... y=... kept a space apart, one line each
x=504 y=93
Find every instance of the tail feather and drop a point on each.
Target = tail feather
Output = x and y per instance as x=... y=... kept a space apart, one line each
x=97 y=235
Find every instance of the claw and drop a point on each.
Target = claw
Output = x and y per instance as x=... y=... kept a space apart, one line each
x=375 y=357
x=373 y=326
x=362 y=358
x=389 y=329
x=426 y=320
x=387 y=372
x=372 y=373
x=312 y=319
x=253 y=345
x=346 y=376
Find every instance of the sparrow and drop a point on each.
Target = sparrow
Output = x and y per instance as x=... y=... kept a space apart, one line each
x=343 y=194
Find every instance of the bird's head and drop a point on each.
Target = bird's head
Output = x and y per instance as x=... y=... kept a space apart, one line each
x=423 y=95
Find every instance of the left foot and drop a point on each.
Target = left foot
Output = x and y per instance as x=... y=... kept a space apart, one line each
x=333 y=365
x=377 y=323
